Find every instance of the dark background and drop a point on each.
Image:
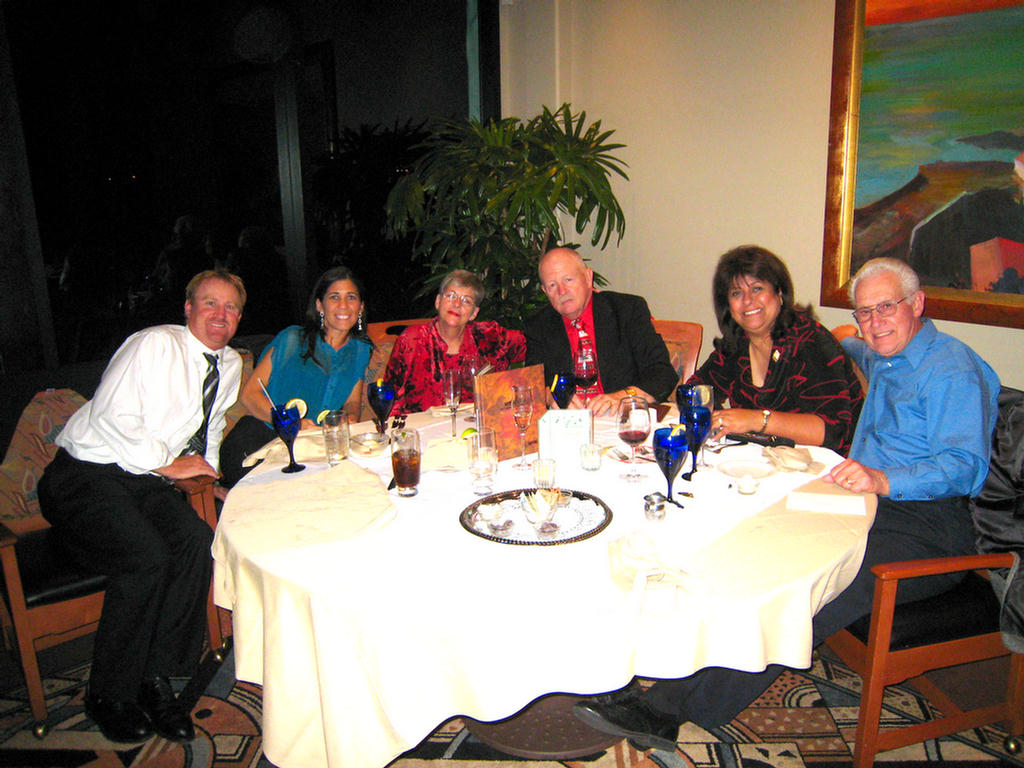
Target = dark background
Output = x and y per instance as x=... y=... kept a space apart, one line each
x=138 y=112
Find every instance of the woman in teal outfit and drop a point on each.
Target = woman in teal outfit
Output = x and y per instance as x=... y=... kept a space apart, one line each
x=323 y=362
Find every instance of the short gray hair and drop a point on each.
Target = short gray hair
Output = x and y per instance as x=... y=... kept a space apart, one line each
x=466 y=279
x=910 y=283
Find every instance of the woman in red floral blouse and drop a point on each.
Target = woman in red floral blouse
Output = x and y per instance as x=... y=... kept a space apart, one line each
x=423 y=352
x=781 y=371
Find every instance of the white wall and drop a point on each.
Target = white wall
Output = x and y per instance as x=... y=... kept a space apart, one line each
x=723 y=107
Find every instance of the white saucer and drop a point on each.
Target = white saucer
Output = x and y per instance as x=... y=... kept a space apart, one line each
x=740 y=468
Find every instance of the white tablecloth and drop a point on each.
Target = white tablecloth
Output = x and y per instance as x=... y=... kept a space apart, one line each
x=365 y=642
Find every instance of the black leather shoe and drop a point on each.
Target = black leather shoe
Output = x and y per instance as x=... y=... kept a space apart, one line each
x=122 y=721
x=631 y=718
x=168 y=716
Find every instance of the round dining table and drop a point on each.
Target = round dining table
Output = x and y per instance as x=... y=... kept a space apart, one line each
x=369 y=618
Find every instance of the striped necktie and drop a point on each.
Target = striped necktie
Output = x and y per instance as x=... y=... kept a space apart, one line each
x=197 y=443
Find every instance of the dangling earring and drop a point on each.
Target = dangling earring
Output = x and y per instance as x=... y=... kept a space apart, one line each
x=359 y=321
x=321 y=321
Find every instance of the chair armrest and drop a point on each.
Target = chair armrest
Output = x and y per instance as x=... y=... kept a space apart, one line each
x=195 y=484
x=7 y=537
x=907 y=569
x=199 y=492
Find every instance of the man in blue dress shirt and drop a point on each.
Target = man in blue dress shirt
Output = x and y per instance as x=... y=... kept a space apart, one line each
x=922 y=445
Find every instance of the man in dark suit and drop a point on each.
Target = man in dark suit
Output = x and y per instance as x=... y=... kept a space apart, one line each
x=615 y=328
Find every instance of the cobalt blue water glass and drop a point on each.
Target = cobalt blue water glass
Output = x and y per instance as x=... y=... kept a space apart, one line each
x=670 y=447
x=563 y=387
x=381 y=397
x=287 y=422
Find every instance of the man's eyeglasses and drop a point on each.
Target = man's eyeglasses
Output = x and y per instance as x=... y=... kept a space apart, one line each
x=454 y=298
x=884 y=309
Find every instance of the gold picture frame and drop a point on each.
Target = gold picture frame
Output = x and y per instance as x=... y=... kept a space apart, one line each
x=984 y=307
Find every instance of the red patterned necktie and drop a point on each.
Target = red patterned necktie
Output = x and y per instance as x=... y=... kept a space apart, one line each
x=584 y=351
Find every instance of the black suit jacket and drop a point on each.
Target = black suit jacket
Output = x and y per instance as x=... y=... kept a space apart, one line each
x=629 y=351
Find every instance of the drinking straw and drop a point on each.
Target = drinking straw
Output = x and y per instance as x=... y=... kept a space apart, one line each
x=272 y=404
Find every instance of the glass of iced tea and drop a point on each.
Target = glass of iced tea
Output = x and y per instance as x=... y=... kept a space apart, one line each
x=405 y=460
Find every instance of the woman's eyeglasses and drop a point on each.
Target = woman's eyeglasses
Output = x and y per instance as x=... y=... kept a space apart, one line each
x=454 y=298
x=884 y=309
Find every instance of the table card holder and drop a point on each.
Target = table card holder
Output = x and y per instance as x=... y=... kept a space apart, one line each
x=493 y=395
x=561 y=433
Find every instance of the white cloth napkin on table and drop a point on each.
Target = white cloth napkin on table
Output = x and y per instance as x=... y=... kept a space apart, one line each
x=445 y=453
x=786 y=459
x=635 y=561
x=333 y=504
x=309 y=446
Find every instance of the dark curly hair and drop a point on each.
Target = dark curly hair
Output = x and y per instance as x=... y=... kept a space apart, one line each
x=757 y=262
x=311 y=330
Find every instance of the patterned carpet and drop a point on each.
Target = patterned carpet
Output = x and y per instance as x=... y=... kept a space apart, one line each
x=805 y=719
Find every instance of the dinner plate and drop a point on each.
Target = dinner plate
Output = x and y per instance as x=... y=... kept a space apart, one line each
x=740 y=468
x=582 y=517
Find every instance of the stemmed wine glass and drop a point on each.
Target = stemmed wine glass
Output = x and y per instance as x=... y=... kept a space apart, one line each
x=563 y=387
x=381 y=398
x=451 y=384
x=287 y=422
x=522 y=413
x=471 y=366
x=697 y=422
x=585 y=370
x=670 y=449
x=634 y=422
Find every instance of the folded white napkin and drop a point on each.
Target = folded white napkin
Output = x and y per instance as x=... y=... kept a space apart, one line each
x=336 y=503
x=786 y=459
x=309 y=446
x=445 y=453
x=634 y=560
x=819 y=496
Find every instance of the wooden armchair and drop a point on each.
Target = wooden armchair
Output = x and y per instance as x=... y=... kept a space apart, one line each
x=47 y=600
x=902 y=643
x=897 y=644
x=50 y=601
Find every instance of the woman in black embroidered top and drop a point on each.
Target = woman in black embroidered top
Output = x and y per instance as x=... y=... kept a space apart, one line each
x=780 y=370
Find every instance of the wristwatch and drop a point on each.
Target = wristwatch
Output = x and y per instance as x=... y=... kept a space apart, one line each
x=765 y=414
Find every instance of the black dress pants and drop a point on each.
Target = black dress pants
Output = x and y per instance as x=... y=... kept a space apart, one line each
x=903 y=530
x=143 y=535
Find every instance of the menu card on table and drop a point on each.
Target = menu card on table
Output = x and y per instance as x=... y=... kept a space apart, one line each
x=493 y=395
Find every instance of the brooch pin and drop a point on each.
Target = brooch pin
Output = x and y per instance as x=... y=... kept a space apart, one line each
x=776 y=355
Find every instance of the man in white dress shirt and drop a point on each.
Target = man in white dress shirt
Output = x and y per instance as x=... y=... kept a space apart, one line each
x=157 y=416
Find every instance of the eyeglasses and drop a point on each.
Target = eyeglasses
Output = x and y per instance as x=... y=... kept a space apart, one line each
x=454 y=298
x=884 y=309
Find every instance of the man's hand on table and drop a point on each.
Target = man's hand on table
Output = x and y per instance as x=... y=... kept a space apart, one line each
x=607 y=404
x=854 y=476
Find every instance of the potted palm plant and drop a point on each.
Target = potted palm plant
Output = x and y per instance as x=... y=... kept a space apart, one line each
x=491 y=198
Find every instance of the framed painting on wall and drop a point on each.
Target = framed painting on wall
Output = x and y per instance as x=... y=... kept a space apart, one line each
x=926 y=152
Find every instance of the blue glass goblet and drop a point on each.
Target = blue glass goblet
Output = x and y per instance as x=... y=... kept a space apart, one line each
x=670 y=447
x=563 y=387
x=381 y=398
x=287 y=423
x=697 y=421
